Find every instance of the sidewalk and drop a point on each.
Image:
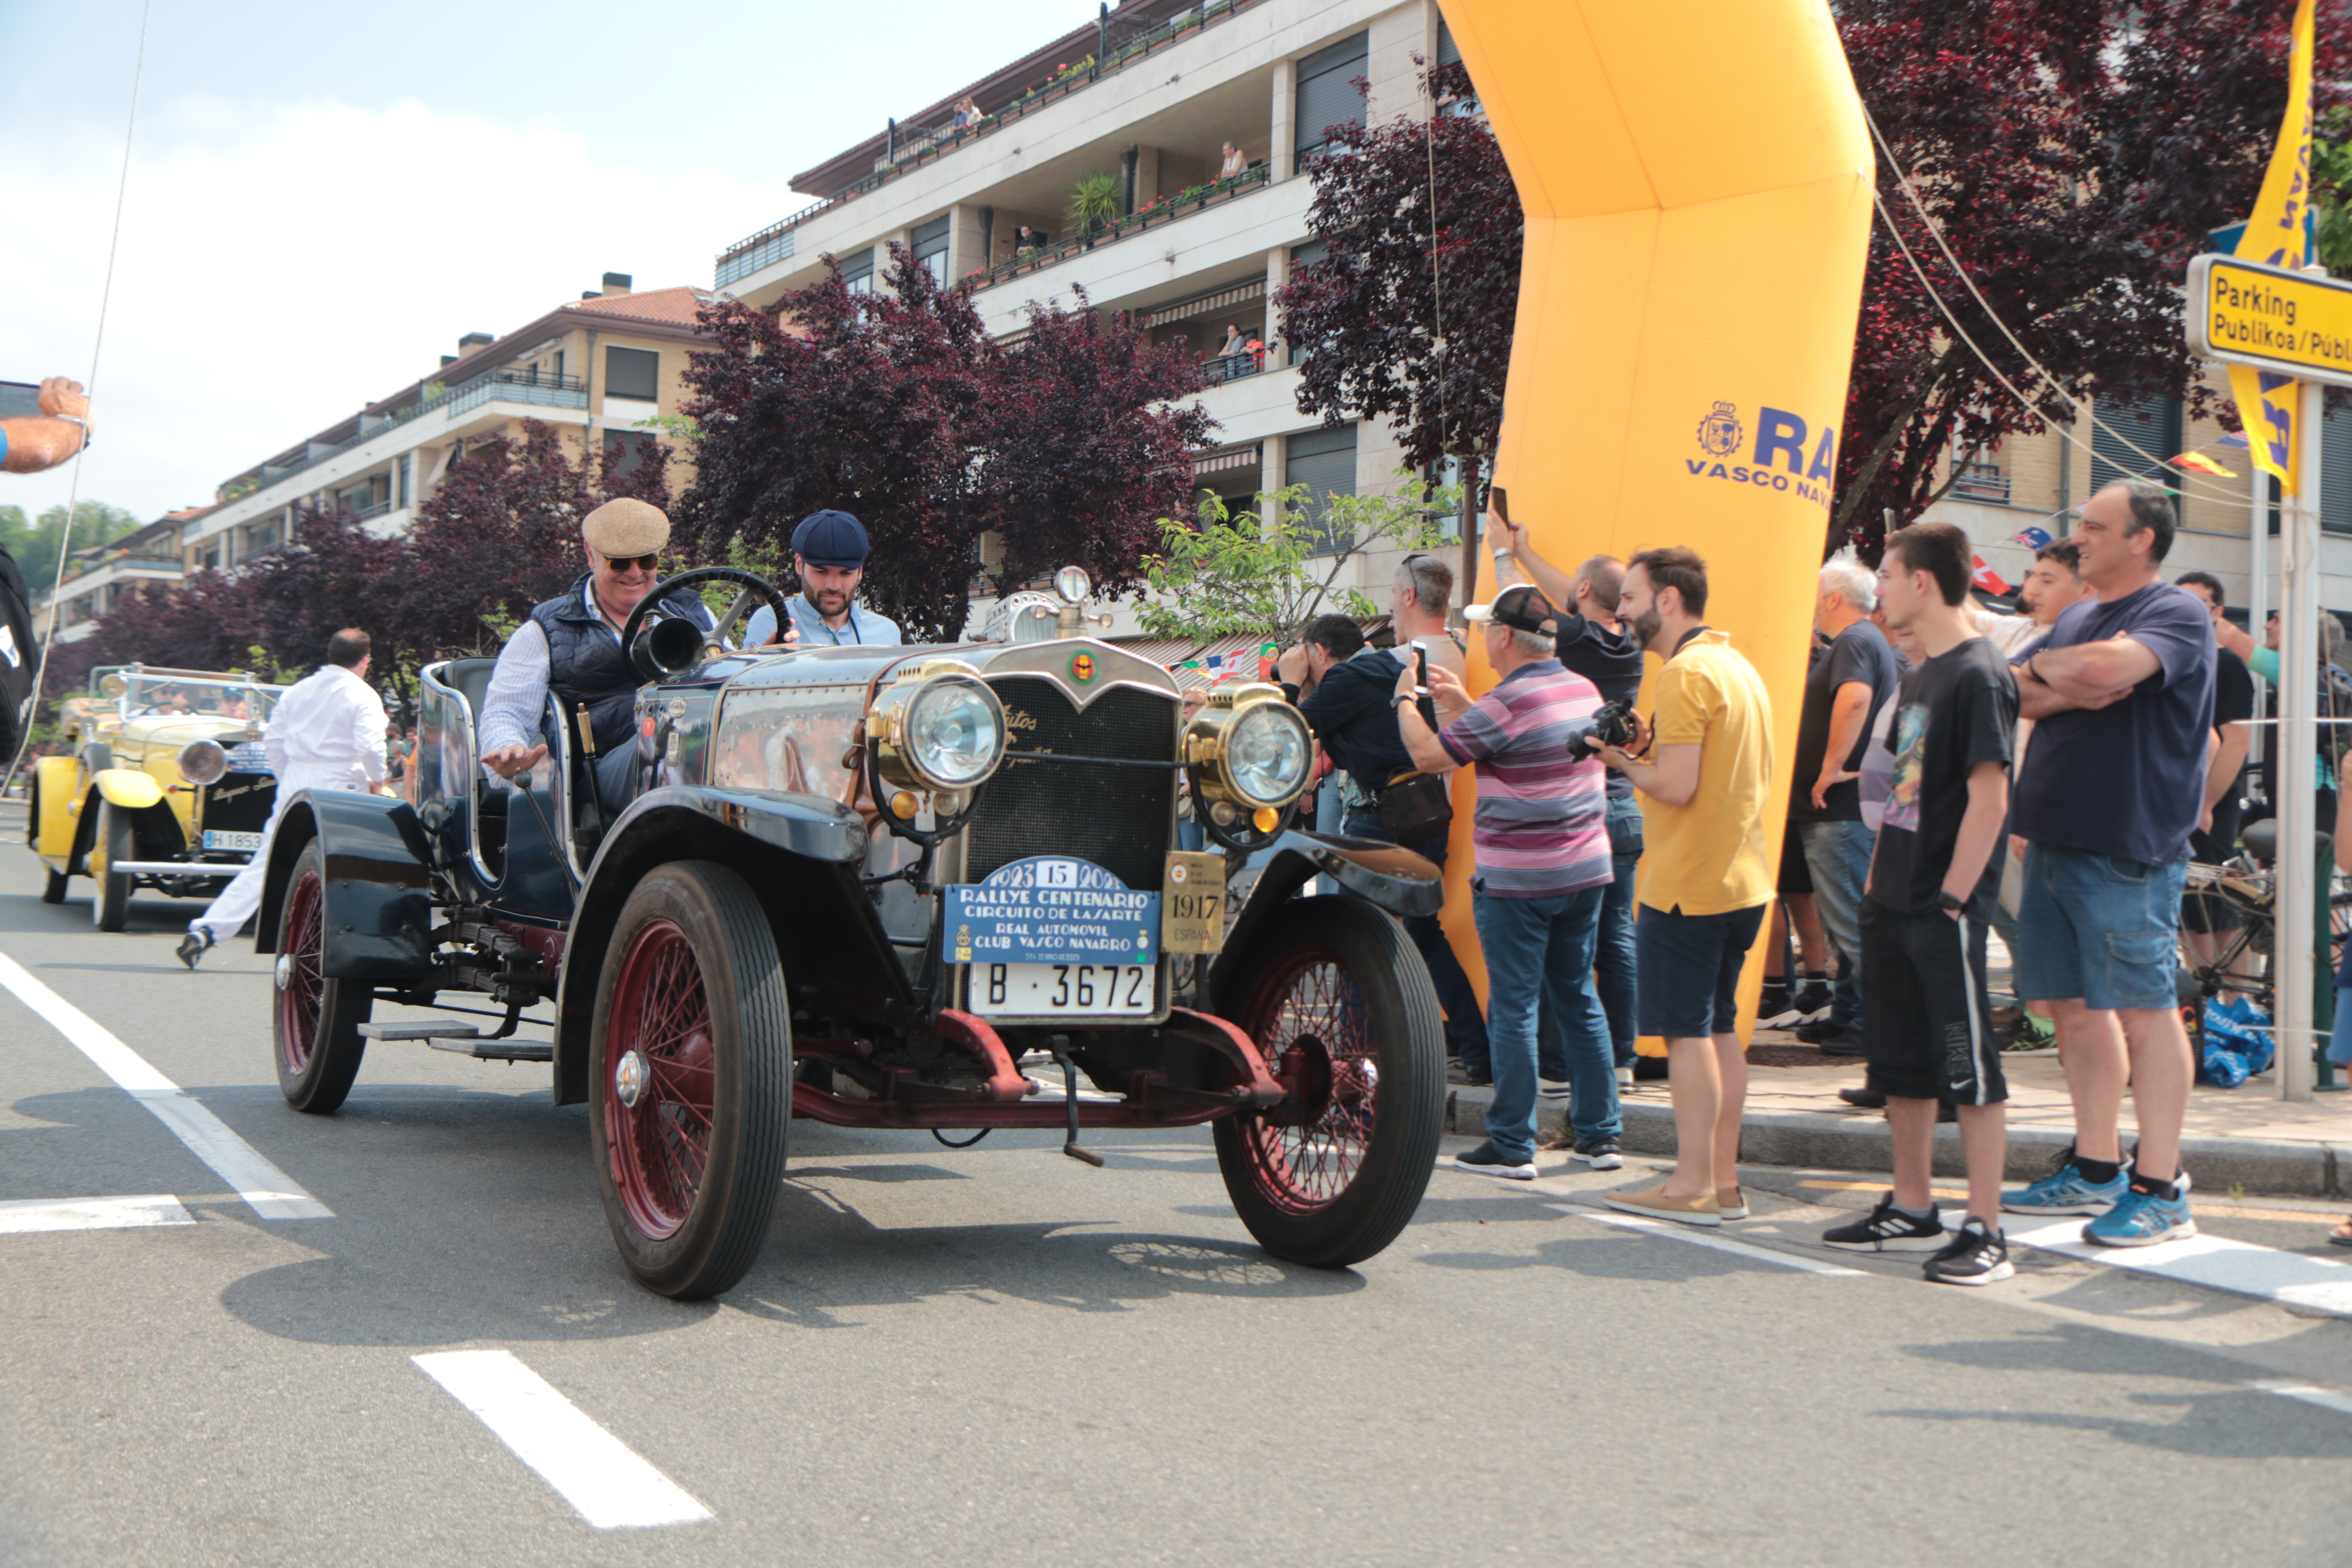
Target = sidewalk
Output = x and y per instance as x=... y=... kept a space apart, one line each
x=2243 y=1137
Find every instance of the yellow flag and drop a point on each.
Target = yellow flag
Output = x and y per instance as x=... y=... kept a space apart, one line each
x=2275 y=236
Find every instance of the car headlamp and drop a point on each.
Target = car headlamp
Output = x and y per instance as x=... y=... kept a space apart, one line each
x=1249 y=748
x=202 y=762
x=938 y=727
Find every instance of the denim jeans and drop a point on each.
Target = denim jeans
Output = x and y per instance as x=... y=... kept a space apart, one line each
x=1465 y=1028
x=2099 y=929
x=1838 y=855
x=1615 y=970
x=1539 y=983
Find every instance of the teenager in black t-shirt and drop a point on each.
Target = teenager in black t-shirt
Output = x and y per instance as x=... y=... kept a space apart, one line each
x=1933 y=880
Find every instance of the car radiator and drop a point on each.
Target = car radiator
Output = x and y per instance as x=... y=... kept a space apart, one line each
x=1121 y=819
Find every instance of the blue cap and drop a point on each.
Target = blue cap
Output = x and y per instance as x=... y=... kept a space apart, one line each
x=830 y=537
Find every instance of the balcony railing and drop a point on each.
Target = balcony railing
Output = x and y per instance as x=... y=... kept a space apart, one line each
x=1981 y=481
x=124 y=563
x=920 y=145
x=1166 y=210
x=1224 y=368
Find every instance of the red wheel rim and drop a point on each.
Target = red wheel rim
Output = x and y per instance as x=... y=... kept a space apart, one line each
x=298 y=999
x=661 y=1146
x=1311 y=1023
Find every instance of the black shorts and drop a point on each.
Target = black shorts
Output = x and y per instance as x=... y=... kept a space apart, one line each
x=1796 y=877
x=1689 y=966
x=1928 y=1029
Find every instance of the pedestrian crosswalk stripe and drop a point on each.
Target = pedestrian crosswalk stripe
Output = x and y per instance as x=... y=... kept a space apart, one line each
x=2325 y=1398
x=270 y=1192
x=22 y=1216
x=1706 y=1238
x=595 y=1472
x=2290 y=1278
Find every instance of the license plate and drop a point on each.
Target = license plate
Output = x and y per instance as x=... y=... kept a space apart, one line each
x=1036 y=990
x=217 y=839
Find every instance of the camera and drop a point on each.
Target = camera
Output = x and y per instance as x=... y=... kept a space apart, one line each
x=1612 y=724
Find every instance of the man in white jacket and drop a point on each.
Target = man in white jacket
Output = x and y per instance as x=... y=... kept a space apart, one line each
x=326 y=732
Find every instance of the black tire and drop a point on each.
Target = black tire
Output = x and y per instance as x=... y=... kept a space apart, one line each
x=109 y=900
x=692 y=989
x=1339 y=1188
x=314 y=1021
x=53 y=892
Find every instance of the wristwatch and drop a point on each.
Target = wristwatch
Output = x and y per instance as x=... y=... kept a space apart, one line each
x=1951 y=903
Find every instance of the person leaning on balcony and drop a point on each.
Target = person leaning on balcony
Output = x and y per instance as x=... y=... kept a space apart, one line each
x=1236 y=161
x=967 y=111
x=1233 y=344
x=62 y=429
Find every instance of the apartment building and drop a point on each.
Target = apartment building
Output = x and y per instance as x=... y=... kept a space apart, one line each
x=1149 y=92
x=98 y=577
x=2028 y=481
x=597 y=369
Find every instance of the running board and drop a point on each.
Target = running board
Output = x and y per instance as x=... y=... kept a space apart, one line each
x=465 y=1040
x=176 y=868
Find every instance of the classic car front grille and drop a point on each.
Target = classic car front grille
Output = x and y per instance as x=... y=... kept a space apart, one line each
x=238 y=804
x=1118 y=818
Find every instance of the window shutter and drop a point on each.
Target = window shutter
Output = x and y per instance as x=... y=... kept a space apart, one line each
x=1325 y=462
x=931 y=247
x=632 y=373
x=858 y=270
x=2153 y=426
x=1326 y=91
x=2335 y=474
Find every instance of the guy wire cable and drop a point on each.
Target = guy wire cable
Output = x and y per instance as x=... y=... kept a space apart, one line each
x=73 y=486
x=1935 y=231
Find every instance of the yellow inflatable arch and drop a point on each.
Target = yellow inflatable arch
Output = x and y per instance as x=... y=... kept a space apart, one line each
x=1697 y=178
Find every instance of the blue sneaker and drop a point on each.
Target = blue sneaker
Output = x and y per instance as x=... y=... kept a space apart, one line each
x=2142 y=1219
x=2065 y=1190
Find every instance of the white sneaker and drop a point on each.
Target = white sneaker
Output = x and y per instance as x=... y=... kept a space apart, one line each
x=1553 y=1089
x=1625 y=1076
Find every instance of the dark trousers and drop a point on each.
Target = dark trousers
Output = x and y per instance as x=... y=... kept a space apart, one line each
x=1465 y=1025
x=1615 y=968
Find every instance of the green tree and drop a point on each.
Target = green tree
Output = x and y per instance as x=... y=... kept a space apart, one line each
x=34 y=543
x=1259 y=574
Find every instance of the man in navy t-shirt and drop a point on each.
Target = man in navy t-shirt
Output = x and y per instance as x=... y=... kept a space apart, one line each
x=2121 y=693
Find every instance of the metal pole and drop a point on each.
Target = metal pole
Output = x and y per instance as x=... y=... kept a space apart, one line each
x=2298 y=749
x=2258 y=609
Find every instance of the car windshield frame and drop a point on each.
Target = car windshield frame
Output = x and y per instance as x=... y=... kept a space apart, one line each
x=148 y=693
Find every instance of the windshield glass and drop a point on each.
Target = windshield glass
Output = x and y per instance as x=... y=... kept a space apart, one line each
x=209 y=695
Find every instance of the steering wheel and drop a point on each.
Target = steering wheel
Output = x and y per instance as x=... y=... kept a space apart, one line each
x=755 y=588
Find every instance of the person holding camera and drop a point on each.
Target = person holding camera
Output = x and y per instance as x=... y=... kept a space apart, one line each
x=1542 y=841
x=1703 y=896
x=34 y=442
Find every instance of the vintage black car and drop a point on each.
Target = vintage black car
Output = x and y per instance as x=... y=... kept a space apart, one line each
x=866 y=885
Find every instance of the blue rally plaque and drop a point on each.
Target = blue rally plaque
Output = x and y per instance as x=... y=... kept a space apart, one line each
x=1051 y=909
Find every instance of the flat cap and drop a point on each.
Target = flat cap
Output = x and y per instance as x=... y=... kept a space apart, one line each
x=830 y=537
x=626 y=527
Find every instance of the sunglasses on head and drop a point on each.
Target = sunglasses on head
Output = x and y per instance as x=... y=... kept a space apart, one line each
x=643 y=562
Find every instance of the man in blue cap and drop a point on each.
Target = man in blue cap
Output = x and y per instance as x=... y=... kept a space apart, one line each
x=829 y=551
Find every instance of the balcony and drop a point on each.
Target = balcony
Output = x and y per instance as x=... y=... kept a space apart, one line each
x=122 y=564
x=1165 y=211
x=1981 y=481
x=1218 y=370
x=910 y=148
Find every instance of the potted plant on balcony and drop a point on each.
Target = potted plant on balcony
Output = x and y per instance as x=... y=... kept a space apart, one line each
x=1095 y=202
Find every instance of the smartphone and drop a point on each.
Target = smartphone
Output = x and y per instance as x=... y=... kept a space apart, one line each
x=20 y=400
x=1422 y=699
x=1501 y=501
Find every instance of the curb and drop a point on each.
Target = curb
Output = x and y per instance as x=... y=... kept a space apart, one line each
x=1860 y=1142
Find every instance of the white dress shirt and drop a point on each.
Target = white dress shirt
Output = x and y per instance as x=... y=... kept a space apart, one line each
x=517 y=694
x=326 y=732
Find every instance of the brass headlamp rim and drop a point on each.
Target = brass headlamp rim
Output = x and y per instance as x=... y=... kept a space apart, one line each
x=1204 y=745
x=894 y=760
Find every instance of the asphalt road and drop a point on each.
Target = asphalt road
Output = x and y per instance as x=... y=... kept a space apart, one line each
x=1001 y=1356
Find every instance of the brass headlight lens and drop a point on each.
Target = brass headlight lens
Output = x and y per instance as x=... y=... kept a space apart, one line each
x=202 y=762
x=1249 y=748
x=938 y=728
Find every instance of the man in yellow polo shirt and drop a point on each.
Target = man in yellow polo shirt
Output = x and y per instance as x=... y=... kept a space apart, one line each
x=1703 y=764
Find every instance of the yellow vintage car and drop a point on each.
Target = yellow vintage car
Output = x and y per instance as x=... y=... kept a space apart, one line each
x=166 y=788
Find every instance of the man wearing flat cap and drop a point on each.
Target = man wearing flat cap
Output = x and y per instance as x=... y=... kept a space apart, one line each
x=829 y=551
x=572 y=644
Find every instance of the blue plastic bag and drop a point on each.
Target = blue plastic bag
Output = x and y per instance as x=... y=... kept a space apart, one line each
x=2238 y=1043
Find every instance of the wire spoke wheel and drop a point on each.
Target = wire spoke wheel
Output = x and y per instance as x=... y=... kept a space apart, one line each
x=1341 y=1007
x=315 y=1022
x=689 y=1079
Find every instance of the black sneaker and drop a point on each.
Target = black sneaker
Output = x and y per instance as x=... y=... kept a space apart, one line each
x=1889 y=1229
x=193 y=946
x=1601 y=1153
x=1484 y=1161
x=1778 y=1009
x=1977 y=1256
x=1814 y=1002
x=1650 y=1069
x=1835 y=1042
x=1468 y=1076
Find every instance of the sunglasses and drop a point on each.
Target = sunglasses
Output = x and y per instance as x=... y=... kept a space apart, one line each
x=642 y=563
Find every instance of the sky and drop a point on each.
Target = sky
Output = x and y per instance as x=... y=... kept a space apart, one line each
x=321 y=199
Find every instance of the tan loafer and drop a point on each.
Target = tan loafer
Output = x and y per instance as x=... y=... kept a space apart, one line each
x=1730 y=1203
x=1652 y=1203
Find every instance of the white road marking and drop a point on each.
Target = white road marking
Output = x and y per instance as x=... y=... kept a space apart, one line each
x=1698 y=1238
x=595 y=1471
x=2325 y=1398
x=20 y=1215
x=271 y=1193
x=2239 y=1268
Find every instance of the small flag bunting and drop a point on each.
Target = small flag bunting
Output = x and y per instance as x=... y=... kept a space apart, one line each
x=2199 y=463
x=1986 y=578
x=2032 y=538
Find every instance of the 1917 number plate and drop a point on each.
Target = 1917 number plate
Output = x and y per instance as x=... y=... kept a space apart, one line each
x=217 y=839
x=1034 y=990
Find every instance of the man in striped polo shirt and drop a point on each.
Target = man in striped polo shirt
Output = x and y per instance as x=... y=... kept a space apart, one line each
x=1541 y=839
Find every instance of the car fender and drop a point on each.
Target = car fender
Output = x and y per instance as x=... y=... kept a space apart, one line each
x=49 y=826
x=379 y=904
x=801 y=854
x=1393 y=878
x=128 y=788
